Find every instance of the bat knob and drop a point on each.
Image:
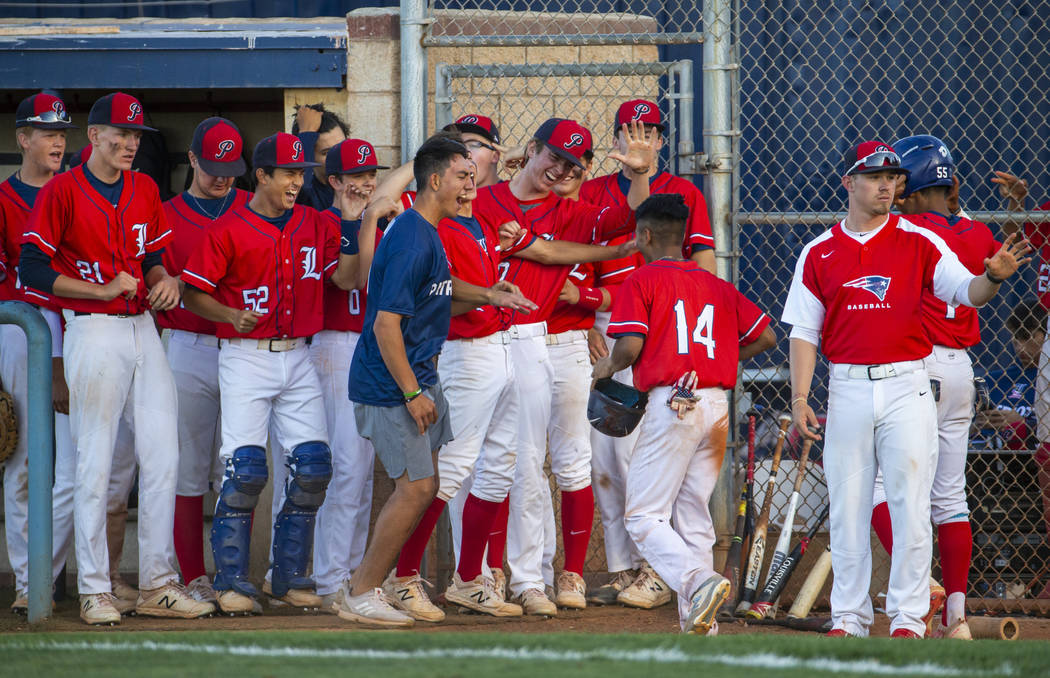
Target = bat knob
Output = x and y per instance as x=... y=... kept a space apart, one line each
x=742 y=608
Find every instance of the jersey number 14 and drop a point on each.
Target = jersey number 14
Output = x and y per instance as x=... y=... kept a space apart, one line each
x=703 y=332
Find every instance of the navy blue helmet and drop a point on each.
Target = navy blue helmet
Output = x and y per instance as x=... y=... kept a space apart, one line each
x=928 y=160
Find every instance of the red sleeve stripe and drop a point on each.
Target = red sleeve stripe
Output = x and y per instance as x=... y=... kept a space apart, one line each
x=629 y=326
x=33 y=235
x=209 y=285
x=610 y=274
x=762 y=321
x=160 y=237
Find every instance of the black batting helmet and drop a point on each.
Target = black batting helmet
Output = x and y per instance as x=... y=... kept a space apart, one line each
x=614 y=408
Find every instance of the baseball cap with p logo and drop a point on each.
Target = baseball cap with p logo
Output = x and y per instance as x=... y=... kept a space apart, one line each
x=43 y=111
x=119 y=110
x=281 y=150
x=476 y=124
x=642 y=110
x=217 y=144
x=565 y=138
x=352 y=156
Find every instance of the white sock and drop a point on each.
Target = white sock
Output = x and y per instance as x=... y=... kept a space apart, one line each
x=956 y=607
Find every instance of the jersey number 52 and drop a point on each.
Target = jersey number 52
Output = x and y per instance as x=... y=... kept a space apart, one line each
x=703 y=331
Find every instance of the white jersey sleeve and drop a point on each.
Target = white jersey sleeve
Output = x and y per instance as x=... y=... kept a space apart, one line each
x=802 y=308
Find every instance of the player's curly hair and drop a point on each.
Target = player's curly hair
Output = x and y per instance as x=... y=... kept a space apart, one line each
x=329 y=121
x=665 y=215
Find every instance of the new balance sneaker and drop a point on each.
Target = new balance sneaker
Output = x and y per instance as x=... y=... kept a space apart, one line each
x=122 y=590
x=906 y=634
x=97 y=608
x=704 y=604
x=201 y=589
x=572 y=591
x=478 y=595
x=295 y=597
x=171 y=600
x=535 y=601
x=371 y=608
x=231 y=602
x=957 y=630
x=607 y=593
x=647 y=590
x=407 y=594
x=499 y=583
x=937 y=598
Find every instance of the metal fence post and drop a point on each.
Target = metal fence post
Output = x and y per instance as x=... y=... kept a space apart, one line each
x=40 y=441
x=413 y=77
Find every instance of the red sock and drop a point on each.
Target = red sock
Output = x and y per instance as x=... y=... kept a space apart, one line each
x=411 y=557
x=955 y=541
x=498 y=536
x=880 y=520
x=189 y=536
x=478 y=516
x=577 y=518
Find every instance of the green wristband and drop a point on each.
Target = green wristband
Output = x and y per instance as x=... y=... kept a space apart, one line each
x=409 y=397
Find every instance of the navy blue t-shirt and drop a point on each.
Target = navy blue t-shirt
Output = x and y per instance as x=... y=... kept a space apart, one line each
x=409 y=277
x=1010 y=389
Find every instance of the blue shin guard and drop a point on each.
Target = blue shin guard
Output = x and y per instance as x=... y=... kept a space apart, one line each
x=309 y=470
x=231 y=529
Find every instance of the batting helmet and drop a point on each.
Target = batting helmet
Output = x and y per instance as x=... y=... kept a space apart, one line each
x=614 y=408
x=928 y=160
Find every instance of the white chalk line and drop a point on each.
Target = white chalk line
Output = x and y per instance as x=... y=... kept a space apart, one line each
x=666 y=655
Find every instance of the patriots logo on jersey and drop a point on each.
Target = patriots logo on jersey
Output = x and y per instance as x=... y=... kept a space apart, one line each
x=362 y=154
x=575 y=140
x=134 y=110
x=640 y=110
x=876 y=284
x=225 y=146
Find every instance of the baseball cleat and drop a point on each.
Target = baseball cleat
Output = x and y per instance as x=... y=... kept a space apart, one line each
x=607 y=593
x=647 y=591
x=21 y=604
x=408 y=595
x=478 y=595
x=201 y=589
x=572 y=591
x=957 y=630
x=232 y=603
x=535 y=601
x=98 y=609
x=304 y=598
x=329 y=601
x=499 y=583
x=906 y=634
x=125 y=607
x=171 y=600
x=122 y=590
x=704 y=604
x=937 y=598
x=371 y=608
x=838 y=633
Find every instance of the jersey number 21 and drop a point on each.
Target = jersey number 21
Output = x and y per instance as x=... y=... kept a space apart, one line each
x=703 y=332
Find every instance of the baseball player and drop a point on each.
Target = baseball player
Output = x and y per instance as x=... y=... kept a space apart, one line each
x=41 y=122
x=633 y=582
x=857 y=290
x=527 y=200
x=320 y=131
x=193 y=347
x=481 y=137
x=94 y=241
x=671 y=318
x=952 y=330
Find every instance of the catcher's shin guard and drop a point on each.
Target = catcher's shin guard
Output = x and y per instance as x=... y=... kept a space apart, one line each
x=231 y=529
x=309 y=470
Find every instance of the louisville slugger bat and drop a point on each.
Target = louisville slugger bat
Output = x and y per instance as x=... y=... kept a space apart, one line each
x=776 y=583
x=788 y=526
x=733 y=558
x=811 y=588
x=758 y=542
x=749 y=518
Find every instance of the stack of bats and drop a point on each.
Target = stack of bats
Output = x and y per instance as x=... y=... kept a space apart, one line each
x=744 y=565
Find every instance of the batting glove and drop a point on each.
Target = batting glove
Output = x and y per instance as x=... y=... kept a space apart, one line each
x=682 y=398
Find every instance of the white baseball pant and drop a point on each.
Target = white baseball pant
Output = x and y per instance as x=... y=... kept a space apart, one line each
x=194 y=361
x=890 y=424
x=116 y=367
x=569 y=431
x=341 y=531
x=671 y=477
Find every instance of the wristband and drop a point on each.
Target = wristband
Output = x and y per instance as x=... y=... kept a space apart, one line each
x=995 y=281
x=590 y=298
x=799 y=399
x=348 y=243
x=409 y=397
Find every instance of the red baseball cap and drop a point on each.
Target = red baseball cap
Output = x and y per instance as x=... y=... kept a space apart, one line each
x=639 y=109
x=43 y=111
x=119 y=110
x=281 y=150
x=872 y=156
x=218 y=145
x=352 y=156
x=476 y=124
x=566 y=138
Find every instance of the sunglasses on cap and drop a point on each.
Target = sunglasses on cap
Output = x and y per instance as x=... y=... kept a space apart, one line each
x=45 y=117
x=876 y=160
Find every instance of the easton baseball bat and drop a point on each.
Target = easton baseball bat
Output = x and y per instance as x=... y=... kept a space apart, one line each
x=736 y=546
x=776 y=583
x=788 y=526
x=812 y=586
x=758 y=542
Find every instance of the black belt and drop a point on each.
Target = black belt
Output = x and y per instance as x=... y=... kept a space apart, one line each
x=112 y=315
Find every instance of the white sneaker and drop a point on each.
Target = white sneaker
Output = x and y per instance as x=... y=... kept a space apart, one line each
x=171 y=600
x=499 y=583
x=407 y=594
x=478 y=594
x=647 y=591
x=122 y=590
x=607 y=593
x=572 y=591
x=957 y=630
x=534 y=601
x=704 y=604
x=201 y=589
x=97 y=608
x=371 y=608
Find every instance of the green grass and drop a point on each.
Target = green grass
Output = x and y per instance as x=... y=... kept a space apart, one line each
x=302 y=654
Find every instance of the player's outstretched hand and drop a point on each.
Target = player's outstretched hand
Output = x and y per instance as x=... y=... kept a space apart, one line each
x=1009 y=258
x=513 y=157
x=1010 y=186
x=682 y=398
x=165 y=295
x=351 y=200
x=507 y=295
x=570 y=294
x=423 y=411
x=641 y=151
x=805 y=419
x=596 y=345
x=308 y=116
x=124 y=285
x=244 y=321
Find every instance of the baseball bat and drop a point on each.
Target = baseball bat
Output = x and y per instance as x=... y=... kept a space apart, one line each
x=749 y=518
x=787 y=528
x=811 y=588
x=736 y=546
x=776 y=583
x=998 y=628
x=758 y=542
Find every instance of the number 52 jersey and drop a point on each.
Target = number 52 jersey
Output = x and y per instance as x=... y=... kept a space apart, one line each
x=691 y=320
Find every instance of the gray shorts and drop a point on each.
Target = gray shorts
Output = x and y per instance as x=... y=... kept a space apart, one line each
x=396 y=438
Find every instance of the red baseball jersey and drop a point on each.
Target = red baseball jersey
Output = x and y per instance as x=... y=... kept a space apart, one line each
x=188 y=227
x=89 y=239
x=246 y=262
x=865 y=296
x=1039 y=235
x=691 y=320
x=567 y=317
x=551 y=218
x=343 y=311
x=14 y=215
x=473 y=253
x=947 y=324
